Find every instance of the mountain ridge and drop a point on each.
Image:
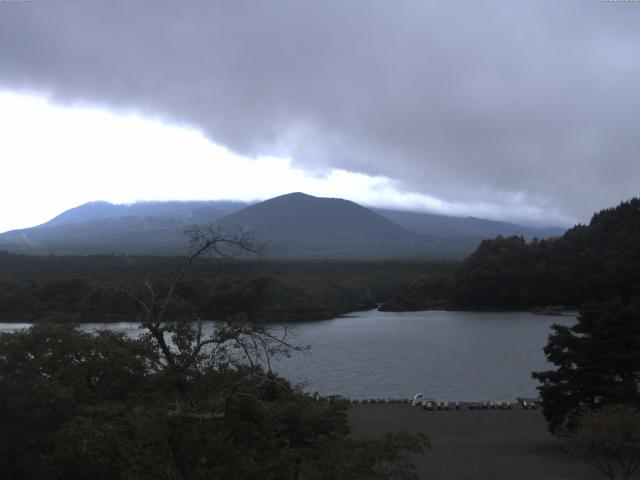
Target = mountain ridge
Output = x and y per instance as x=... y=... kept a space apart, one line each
x=100 y=209
x=452 y=226
x=296 y=225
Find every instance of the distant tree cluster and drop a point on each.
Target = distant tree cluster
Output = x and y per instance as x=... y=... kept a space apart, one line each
x=263 y=297
x=39 y=287
x=587 y=263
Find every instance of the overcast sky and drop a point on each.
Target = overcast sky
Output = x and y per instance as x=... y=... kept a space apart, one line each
x=519 y=110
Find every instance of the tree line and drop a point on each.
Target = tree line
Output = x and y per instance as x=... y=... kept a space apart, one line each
x=89 y=288
x=588 y=263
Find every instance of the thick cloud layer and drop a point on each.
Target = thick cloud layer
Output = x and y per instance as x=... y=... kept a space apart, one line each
x=508 y=102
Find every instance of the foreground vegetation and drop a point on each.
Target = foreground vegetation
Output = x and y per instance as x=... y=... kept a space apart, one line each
x=75 y=406
x=173 y=404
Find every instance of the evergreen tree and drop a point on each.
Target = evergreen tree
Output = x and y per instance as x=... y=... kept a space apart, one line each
x=597 y=360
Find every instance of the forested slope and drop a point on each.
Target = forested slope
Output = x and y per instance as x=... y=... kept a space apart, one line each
x=589 y=262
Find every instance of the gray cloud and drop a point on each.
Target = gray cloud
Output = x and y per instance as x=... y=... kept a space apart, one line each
x=514 y=101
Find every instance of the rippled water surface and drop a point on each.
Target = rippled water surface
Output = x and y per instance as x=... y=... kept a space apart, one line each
x=458 y=356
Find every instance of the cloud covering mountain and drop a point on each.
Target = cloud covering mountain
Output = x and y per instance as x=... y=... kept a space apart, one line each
x=501 y=102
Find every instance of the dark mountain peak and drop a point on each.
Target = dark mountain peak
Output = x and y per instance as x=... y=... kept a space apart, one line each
x=299 y=200
x=304 y=219
x=289 y=198
x=294 y=195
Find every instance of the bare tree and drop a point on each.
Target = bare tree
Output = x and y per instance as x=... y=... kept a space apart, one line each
x=609 y=440
x=232 y=343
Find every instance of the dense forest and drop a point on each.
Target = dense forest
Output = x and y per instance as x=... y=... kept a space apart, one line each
x=587 y=263
x=90 y=288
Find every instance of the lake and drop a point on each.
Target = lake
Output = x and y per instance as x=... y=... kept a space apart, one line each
x=447 y=355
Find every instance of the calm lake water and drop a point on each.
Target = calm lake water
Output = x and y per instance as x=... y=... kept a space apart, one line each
x=456 y=356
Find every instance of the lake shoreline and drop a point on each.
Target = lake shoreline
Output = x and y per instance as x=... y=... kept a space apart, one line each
x=537 y=310
x=262 y=317
x=316 y=317
x=449 y=356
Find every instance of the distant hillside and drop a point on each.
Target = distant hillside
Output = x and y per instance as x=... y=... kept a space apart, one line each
x=119 y=235
x=447 y=226
x=304 y=217
x=294 y=225
x=184 y=212
x=301 y=224
x=155 y=228
x=587 y=263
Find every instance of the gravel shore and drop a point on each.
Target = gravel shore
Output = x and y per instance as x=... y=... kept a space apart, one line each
x=476 y=444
